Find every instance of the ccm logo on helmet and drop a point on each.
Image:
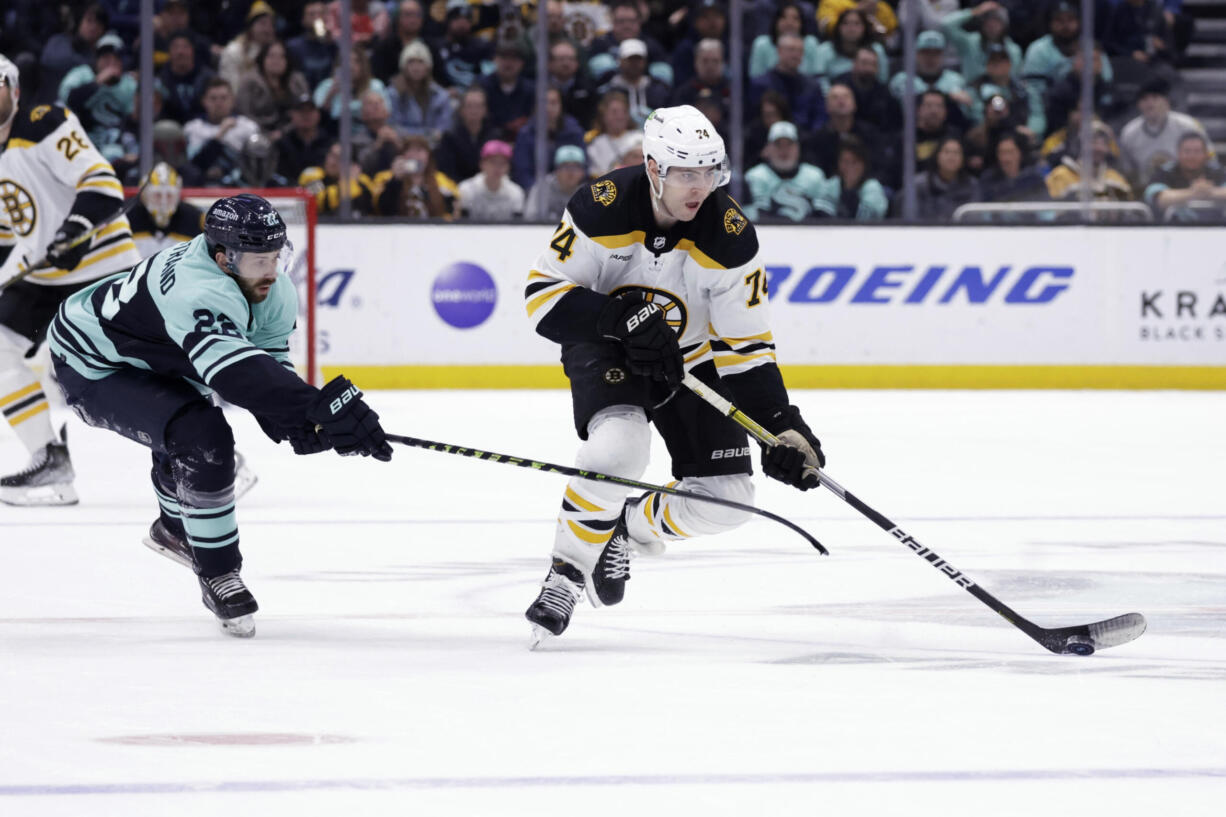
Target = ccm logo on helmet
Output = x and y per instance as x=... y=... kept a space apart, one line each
x=642 y=315
x=339 y=403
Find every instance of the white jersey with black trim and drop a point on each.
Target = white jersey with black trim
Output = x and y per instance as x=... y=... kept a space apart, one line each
x=46 y=161
x=704 y=274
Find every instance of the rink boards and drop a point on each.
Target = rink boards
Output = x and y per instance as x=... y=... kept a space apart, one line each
x=441 y=306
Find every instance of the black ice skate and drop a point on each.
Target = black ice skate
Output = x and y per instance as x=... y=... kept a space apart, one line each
x=608 y=586
x=46 y=481
x=551 y=612
x=230 y=600
x=171 y=545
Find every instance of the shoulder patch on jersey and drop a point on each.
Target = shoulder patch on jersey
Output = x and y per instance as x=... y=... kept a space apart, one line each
x=604 y=192
x=734 y=221
x=39 y=112
x=42 y=121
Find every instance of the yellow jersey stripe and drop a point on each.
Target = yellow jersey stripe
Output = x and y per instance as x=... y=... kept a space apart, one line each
x=537 y=275
x=100 y=166
x=612 y=242
x=591 y=537
x=93 y=258
x=540 y=300
x=20 y=143
x=733 y=359
x=102 y=184
x=26 y=415
x=699 y=352
x=698 y=255
x=767 y=336
x=575 y=499
x=20 y=393
x=668 y=520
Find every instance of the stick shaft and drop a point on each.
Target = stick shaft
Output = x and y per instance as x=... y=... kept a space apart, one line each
x=596 y=476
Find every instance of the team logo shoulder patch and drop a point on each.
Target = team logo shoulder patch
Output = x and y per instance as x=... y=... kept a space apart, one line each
x=734 y=221
x=605 y=192
x=39 y=112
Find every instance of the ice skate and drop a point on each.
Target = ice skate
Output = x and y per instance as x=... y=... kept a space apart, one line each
x=551 y=612
x=230 y=600
x=612 y=571
x=171 y=545
x=244 y=478
x=46 y=481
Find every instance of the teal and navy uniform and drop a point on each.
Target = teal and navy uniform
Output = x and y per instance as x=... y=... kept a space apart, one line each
x=791 y=196
x=138 y=352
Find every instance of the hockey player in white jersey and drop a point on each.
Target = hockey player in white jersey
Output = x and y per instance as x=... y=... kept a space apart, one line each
x=54 y=188
x=652 y=272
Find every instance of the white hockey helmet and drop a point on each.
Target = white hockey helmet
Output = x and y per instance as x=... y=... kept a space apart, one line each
x=683 y=137
x=161 y=192
x=9 y=74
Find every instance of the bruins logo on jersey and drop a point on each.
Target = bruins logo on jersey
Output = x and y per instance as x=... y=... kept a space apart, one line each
x=604 y=192
x=18 y=206
x=734 y=221
x=675 y=313
x=39 y=112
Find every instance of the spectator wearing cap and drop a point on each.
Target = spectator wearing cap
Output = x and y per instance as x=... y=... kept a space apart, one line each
x=547 y=200
x=368 y=19
x=1013 y=176
x=563 y=129
x=709 y=80
x=67 y=50
x=613 y=135
x=238 y=57
x=101 y=95
x=851 y=193
x=783 y=187
x=1190 y=187
x=945 y=185
x=998 y=81
x=1152 y=139
x=789 y=19
x=460 y=54
x=327 y=93
x=267 y=92
x=931 y=73
x=579 y=95
x=215 y=140
x=644 y=92
x=975 y=47
x=822 y=146
x=836 y=56
x=803 y=94
x=407 y=27
x=1049 y=58
x=510 y=95
x=314 y=51
x=874 y=102
x=458 y=153
x=708 y=20
x=604 y=53
x=304 y=143
x=183 y=79
x=880 y=15
x=414 y=187
x=419 y=105
x=375 y=140
x=932 y=125
x=1106 y=182
x=491 y=195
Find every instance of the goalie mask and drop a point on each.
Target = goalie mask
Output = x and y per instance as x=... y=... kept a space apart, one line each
x=161 y=193
x=686 y=148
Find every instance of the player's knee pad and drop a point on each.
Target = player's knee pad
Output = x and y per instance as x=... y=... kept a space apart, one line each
x=201 y=448
x=733 y=487
x=13 y=348
x=618 y=442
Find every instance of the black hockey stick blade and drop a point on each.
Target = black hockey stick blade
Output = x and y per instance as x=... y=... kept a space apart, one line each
x=1087 y=639
x=596 y=476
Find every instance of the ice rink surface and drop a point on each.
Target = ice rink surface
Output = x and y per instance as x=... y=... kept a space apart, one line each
x=743 y=674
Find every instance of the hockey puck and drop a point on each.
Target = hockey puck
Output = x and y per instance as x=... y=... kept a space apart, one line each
x=1076 y=645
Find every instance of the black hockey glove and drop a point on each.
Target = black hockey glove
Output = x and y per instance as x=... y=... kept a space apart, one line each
x=307 y=440
x=650 y=343
x=59 y=253
x=797 y=451
x=347 y=422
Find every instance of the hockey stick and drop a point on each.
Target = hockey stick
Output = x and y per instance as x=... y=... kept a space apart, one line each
x=1082 y=639
x=596 y=476
x=88 y=235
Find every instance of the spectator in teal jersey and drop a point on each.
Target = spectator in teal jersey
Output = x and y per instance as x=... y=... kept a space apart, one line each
x=931 y=73
x=101 y=95
x=763 y=54
x=783 y=186
x=853 y=193
x=1025 y=106
x=837 y=55
x=1049 y=58
x=973 y=46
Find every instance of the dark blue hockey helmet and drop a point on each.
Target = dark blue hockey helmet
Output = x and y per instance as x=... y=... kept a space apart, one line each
x=244 y=223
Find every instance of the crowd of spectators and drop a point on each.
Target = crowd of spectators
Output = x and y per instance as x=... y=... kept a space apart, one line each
x=443 y=97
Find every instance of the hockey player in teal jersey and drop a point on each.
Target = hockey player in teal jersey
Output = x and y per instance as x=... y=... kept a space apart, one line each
x=139 y=352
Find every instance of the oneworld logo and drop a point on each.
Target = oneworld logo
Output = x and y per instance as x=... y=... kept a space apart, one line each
x=464 y=295
x=911 y=284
